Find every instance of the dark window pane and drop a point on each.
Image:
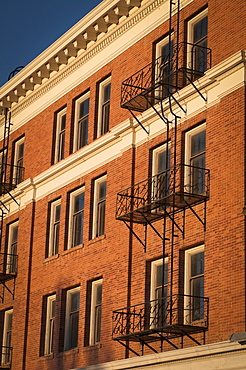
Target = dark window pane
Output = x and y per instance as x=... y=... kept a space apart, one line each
x=57 y=213
x=9 y=325
x=200 y=29
x=55 y=245
x=79 y=202
x=197 y=289
x=78 y=221
x=20 y=150
x=105 y=117
x=61 y=145
x=99 y=294
x=82 y=132
x=53 y=305
x=101 y=218
x=74 y=322
x=51 y=336
x=107 y=89
x=63 y=122
x=163 y=161
x=14 y=234
x=98 y=316
x=75 y=301
x=84 y=108
x=198 y=143
x=102 y=190
x=159 y=275
x=197 y=264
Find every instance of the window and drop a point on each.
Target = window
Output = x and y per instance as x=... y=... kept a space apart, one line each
x=196 y=159
x=104 y=107
x=11 y=266
x=60 y=135
x=158 y=293
x=164 y=67
x=18 y=162
x=3 y=163
x=55 y=213
x=76 y=218
x=49 y=329
x=99 y=206
x=197 y=38
x=160 y=166
x=96 y=311
x=194 y=284
x=81 y=121
x=7 y=334
x=72 y=319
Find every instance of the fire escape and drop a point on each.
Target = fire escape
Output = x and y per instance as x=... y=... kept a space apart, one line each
x=11 y=175
x=167 y=196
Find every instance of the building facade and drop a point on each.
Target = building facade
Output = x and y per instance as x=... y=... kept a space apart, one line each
x=122 y=242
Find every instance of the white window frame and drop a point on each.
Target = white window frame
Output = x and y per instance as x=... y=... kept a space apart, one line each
x=153 y=281
x=97 y=183
x=187 y=276
x=80 y=100
x=11 y=266
x=3 y=170
x=100 y=105
x=18 y=173
x=59 y=115
x=190 y=32
x=49 y=327
x=188 y=136
x=71 y=214
x=67 y=343
x=53 y=206
x=153 y=285
x=95 y=285
x=3 y=156
x=7 y=354
x=158 y=47
x=160 y=44
x=155 y=154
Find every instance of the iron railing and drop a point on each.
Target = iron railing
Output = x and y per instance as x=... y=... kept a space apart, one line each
x=10 y=177
x=178 y=187
x=165 y=75
x=8 y=265
x=174 y=315
x=6 y=357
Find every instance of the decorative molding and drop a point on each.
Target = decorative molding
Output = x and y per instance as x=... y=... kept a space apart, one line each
x=99 y=45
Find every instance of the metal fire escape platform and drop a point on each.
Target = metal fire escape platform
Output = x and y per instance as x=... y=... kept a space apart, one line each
x=162 y=320
x=165 y=76
x=157 y=196
x=8 y=272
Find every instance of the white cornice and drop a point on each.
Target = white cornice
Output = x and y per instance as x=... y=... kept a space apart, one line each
x=221 y=355
x=90 y=37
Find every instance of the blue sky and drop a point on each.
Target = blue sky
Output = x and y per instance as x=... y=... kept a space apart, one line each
x=28 y=27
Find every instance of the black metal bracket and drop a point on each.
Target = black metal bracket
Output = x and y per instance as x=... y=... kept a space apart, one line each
x=126 y=346
x=6 y=287
x=138 y=121
x=175 y=223
x=189 y=336
x=168 y=341
x=136 y=236
x=192 y=83
x=148 y=345
x=203 y=222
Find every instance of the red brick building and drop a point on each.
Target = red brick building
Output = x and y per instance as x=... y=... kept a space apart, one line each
x=123 y=192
